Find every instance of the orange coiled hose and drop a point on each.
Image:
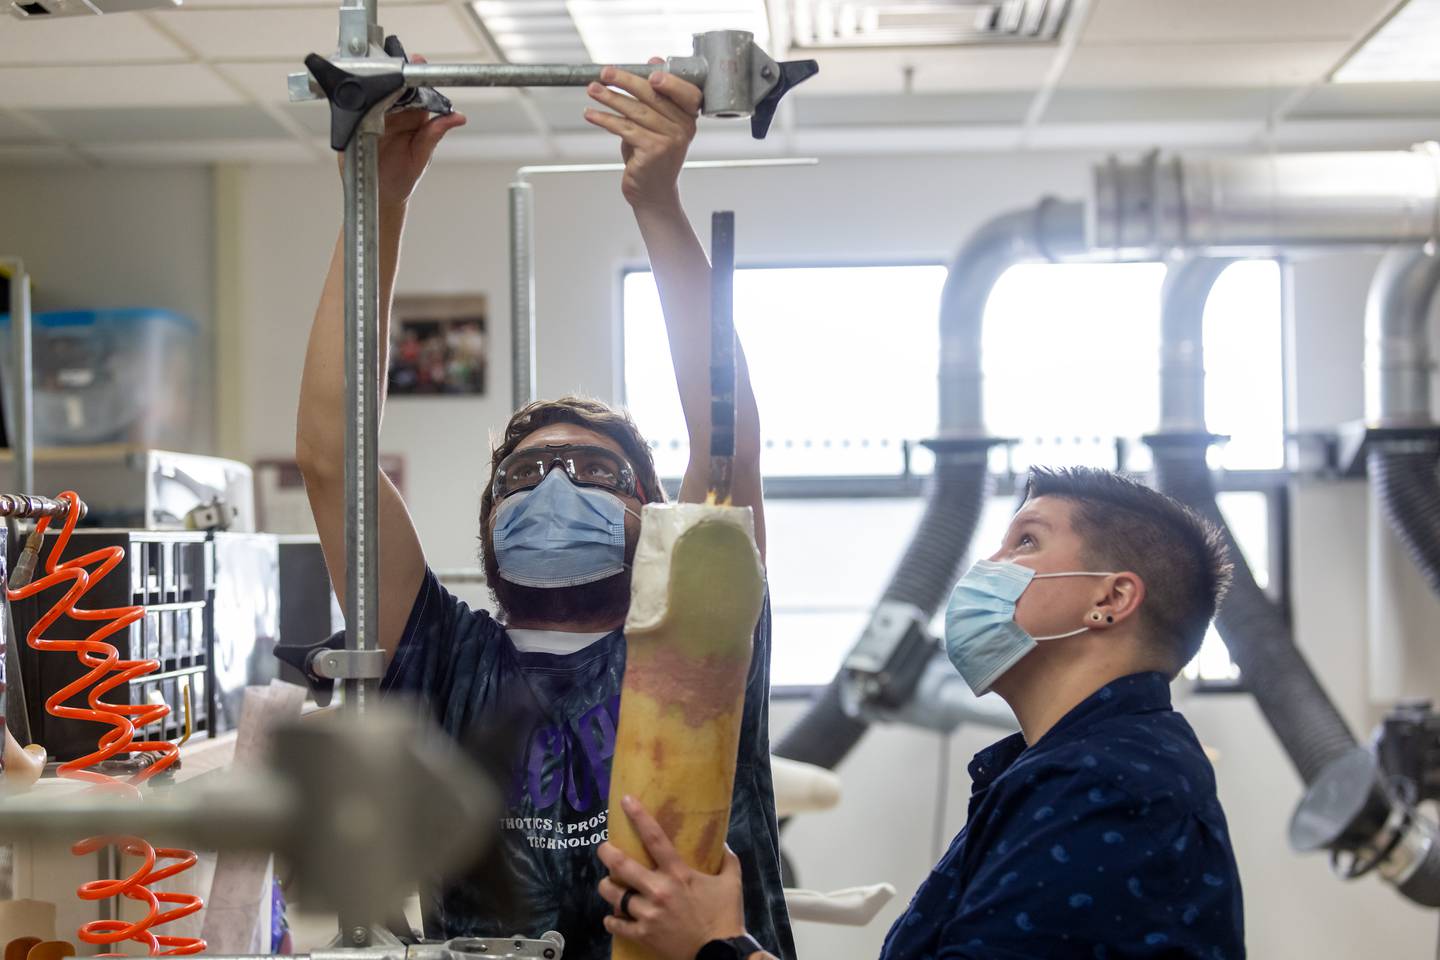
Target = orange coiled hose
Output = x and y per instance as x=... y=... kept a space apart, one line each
x=107 y=672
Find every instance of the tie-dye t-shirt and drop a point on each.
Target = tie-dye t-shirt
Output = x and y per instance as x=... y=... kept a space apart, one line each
x=471 y=678
x=1104 y=841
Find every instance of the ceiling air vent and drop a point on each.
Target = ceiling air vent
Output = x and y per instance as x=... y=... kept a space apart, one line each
x=924 y=23
x=31 y=9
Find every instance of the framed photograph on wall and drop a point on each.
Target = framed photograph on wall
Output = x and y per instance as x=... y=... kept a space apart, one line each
x=439 y=346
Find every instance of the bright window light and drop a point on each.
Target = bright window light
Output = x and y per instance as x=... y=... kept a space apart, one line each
x=1071 y=359
x=842 y=360
x=1406 y=48
x=826 y=576
x=633 y=31
x=1097 y=376
x=1245 y=367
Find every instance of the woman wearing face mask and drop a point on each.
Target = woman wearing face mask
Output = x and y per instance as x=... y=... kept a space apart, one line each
x=559 y=520
x=1095 y=832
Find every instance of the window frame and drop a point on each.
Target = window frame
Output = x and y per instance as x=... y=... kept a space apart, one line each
x=1274 y=484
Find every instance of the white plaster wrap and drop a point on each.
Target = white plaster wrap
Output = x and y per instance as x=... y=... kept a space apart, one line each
x=661 y=525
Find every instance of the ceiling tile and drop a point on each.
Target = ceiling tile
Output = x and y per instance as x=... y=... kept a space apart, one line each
x=263 y=81
x=564 y=109
x=1203 y=65
x=311 y=117
x=45 y=156
x=13 y=131
x=202 y=151
x=163 y=124
x=495 y=116
x=914 y=108
x=1362 y=100
x=465 y=96
x=435 y=30
x=930 y=70
x=1207 y=21
x=1072 y=105
x=127 y=39
x=330 y=5
x=185 y=84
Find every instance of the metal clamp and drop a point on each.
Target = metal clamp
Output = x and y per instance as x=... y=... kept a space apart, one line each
x=349 y=664
x=327 y=661
x=885 y=665
x=23 y=506
x=736 y=78
x=550 y=946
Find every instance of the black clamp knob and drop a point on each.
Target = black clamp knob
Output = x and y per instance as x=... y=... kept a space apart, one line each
x=425 y=98
x=792 y=74
x=352 y=96
x=302 y=656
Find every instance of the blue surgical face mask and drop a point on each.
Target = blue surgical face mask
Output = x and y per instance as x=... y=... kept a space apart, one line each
x=560 y=535
x=981 y=635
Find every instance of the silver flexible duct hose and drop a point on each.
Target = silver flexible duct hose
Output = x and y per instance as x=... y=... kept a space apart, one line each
x=1423 y=886
x=1409 y=490
x=931 y=563
x=1256 y=204
x=1257 y=634
x=827 y=732
x=1398 y=368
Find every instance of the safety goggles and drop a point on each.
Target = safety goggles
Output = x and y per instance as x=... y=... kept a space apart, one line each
x=587 y=466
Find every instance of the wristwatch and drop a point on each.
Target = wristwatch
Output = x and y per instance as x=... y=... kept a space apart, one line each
x=735 y=948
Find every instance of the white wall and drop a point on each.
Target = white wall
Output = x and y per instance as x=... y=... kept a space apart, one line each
x=144 y=235
x=844 y=210
x=116 y=237
x=457 y=243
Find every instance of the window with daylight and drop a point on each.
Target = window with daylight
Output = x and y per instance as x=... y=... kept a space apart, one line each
x=843 y=363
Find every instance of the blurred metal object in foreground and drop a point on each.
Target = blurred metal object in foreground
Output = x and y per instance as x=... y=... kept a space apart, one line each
x=363 y=806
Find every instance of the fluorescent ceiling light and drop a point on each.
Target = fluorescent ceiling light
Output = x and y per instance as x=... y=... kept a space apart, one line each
x=633 y=31
x=1405 y=48
x=910 y=23
x=530 y=31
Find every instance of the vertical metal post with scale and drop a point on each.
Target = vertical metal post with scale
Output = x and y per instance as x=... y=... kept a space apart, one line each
x=368 y=75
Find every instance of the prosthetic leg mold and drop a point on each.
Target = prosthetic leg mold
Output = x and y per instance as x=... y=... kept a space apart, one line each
x=696 y=594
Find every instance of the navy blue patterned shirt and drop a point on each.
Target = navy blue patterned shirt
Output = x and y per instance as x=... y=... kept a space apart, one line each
x=1105 y=840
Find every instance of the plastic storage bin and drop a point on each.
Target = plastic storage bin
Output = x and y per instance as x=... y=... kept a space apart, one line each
x=110 y=376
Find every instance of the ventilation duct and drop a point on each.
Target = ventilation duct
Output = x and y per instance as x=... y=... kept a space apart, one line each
x=891 y=661
x=1256 y=204
x=1403 y=440
x=1255 y=630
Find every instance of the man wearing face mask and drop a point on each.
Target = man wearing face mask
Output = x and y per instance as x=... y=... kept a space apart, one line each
x=559 y=521
x=1096 y=831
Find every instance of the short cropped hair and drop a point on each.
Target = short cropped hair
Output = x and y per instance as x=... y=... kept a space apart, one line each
x=1126 y=526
